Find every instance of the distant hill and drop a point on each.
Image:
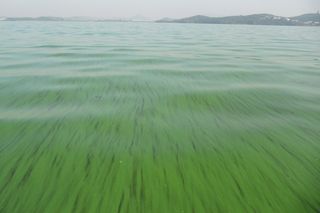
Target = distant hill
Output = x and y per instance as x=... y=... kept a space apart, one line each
x=256 y=19
x=312 y=19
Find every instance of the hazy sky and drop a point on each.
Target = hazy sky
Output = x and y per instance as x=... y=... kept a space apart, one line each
x=154 y=8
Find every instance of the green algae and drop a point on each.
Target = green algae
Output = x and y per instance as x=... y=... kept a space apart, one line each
x=138 y=117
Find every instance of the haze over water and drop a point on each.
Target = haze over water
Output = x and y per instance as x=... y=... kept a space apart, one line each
x=146 y=117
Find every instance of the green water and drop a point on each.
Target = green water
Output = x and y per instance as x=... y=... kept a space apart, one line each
x=143 y=117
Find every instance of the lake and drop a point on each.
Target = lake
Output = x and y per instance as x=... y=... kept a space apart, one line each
x=150 y=117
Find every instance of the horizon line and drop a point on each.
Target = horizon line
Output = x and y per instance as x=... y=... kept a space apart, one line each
x=148 y=18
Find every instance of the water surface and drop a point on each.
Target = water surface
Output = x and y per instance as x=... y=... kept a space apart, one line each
x=145 y=117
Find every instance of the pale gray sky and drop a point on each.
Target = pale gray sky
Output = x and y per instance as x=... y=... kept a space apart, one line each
x=154 y=8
